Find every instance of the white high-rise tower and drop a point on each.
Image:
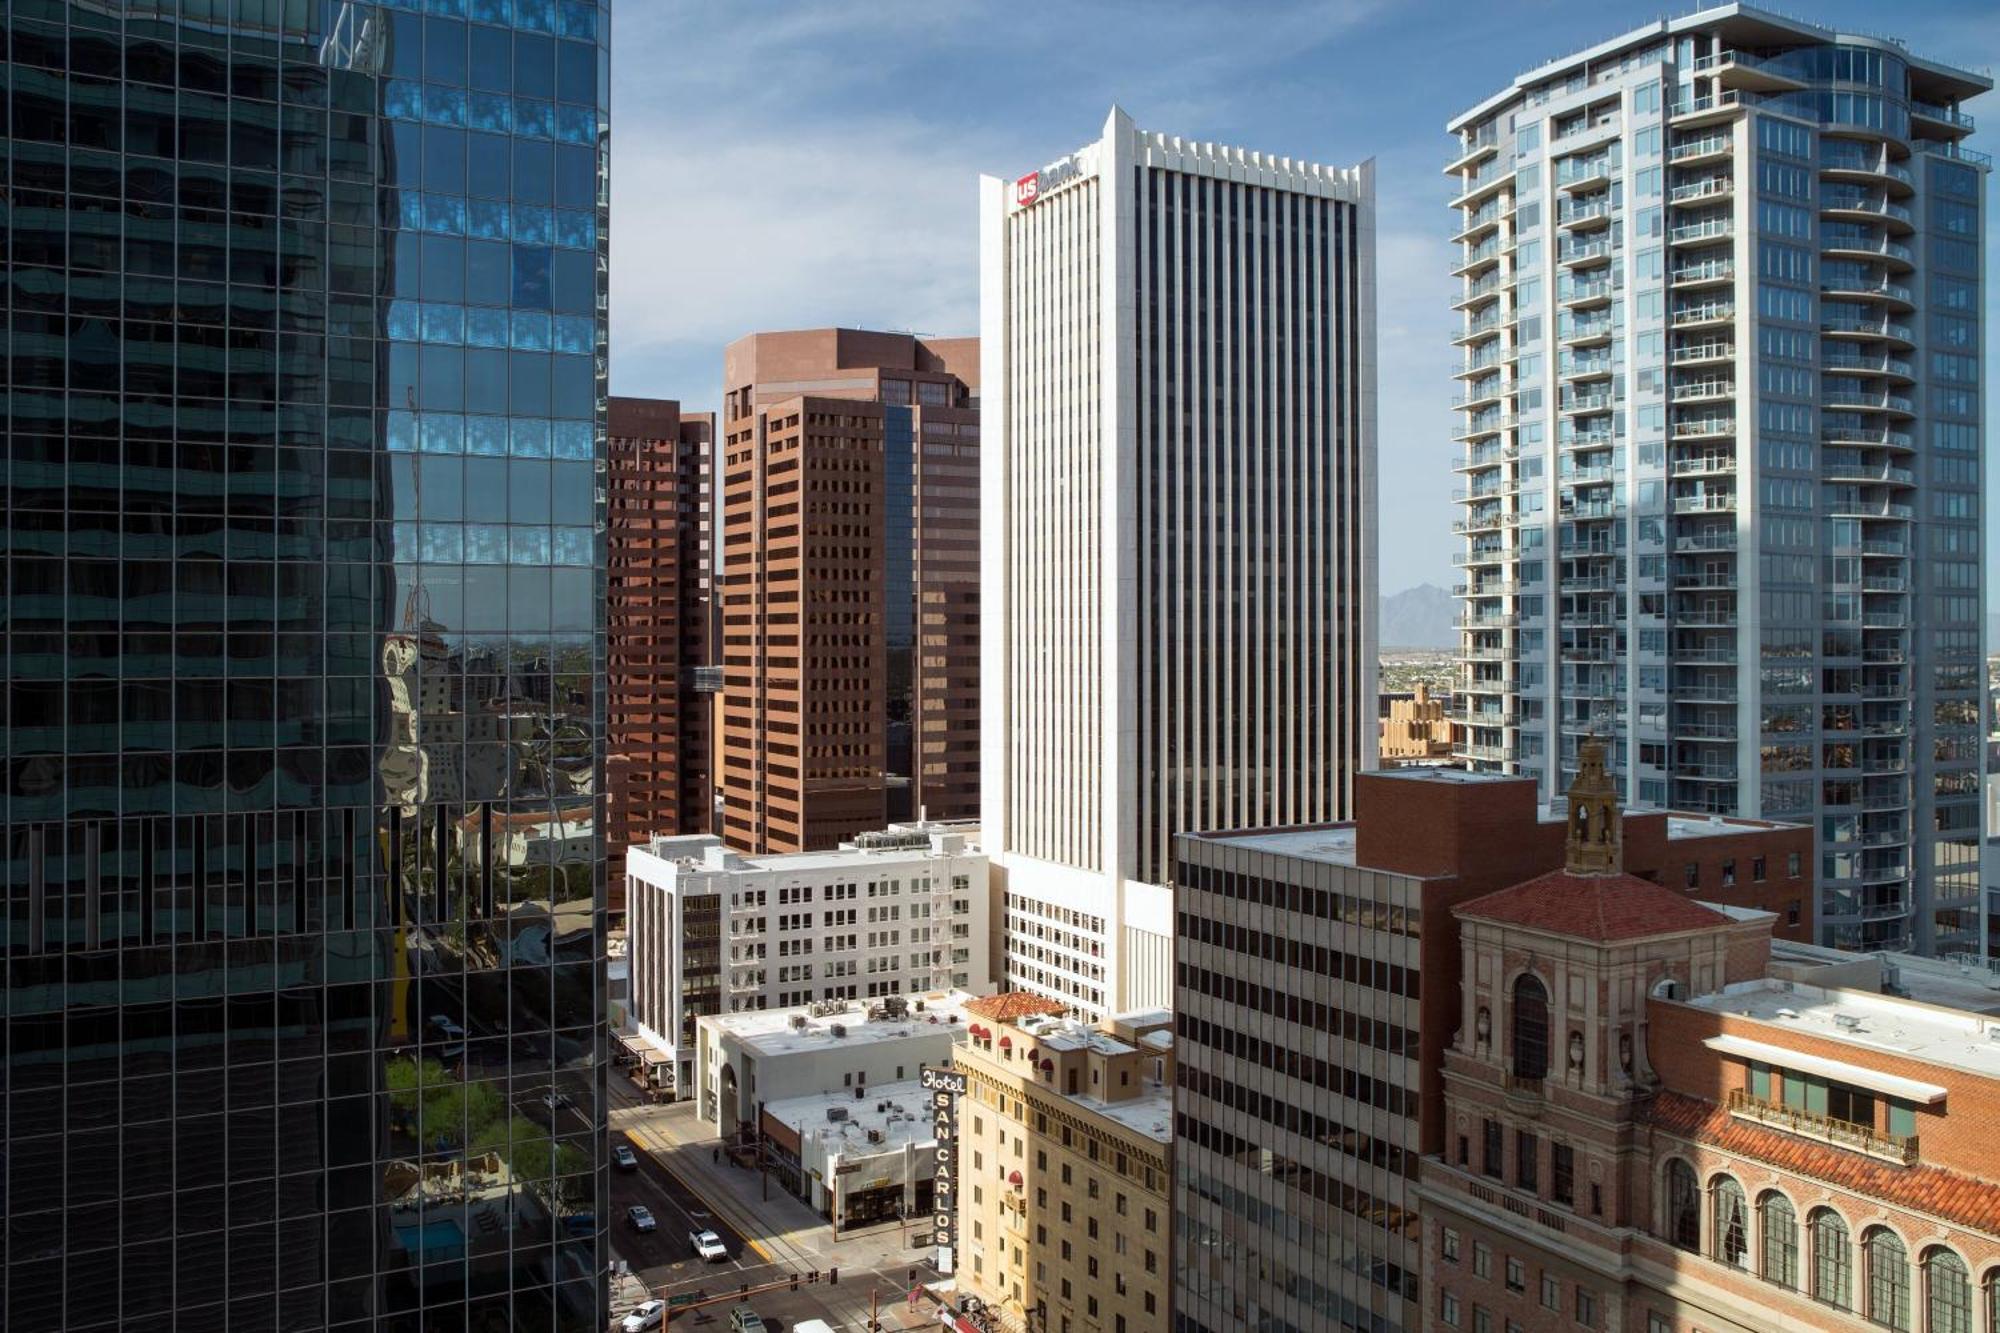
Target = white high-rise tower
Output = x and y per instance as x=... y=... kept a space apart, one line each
x=1178 y=490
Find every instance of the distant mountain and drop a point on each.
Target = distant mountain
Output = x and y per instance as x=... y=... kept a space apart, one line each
x=1419 y=617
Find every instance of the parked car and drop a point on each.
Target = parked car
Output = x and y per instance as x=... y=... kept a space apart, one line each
x=708 y=1245
x=645 y=1315
x=623 y=1156
x=641 y=1218
x=743 y=1319
x=452 y=1031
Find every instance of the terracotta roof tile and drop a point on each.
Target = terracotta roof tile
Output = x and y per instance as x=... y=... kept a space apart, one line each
x=1594 y=907
x=1965 y=1200
x=1013 y=1004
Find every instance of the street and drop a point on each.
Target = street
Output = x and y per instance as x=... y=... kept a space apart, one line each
x=686 y=1190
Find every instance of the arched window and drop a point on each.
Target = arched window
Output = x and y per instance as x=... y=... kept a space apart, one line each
x=1993 y=1298
x=1947 y=1292
x=1779 y=1227
x=1730 y=1234
x=1888 y=1279
x=1830 y=1258
x=1531 y=1027
x=1683 y=1206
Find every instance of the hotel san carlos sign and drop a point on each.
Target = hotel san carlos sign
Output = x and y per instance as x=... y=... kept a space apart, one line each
x=942 y=1089
x=1038 y=183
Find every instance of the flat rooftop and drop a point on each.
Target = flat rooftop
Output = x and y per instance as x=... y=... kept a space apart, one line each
x=772 y=1032
x=688 y=852
x=893 y=1110
x=1953 y=1038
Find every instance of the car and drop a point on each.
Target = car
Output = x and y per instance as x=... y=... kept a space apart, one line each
x=644 y=1315
x=743 y=1319
x=708 y=1245
x=451 y=1030
x=624 y=1157
x=555 y=1101
x=641 y=1218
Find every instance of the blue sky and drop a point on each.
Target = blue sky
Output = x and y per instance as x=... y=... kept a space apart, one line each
x=787 y=165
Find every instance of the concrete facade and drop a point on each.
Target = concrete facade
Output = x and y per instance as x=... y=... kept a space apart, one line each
x=1178 y=531
x=899 y=912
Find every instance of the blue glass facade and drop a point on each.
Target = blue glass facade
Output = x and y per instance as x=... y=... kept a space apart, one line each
x=304 y=654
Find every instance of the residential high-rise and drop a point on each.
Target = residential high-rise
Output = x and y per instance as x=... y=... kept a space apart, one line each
x=1179 y=531
x=659 y=628
x=1317 y=993
x=1721 y=295
x=302 y=654
x=850 y=585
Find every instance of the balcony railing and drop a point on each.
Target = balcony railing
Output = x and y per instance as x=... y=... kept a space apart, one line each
x=1898 y=1148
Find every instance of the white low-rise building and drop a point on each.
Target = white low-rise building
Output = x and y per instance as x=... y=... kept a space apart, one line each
x=901 y=912
x=856 y=1160
x=746 y=1063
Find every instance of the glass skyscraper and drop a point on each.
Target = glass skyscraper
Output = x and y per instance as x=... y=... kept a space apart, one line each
x=304 y=659
x=1721 y=320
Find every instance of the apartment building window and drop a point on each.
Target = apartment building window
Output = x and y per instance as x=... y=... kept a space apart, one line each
x=1778 y=1224
x=1482 y=1319
x=1531 y=1028
x=1517 y=1275
x=1562 y=1173
x=1482 y=1260
x=1792 y=863
x=1729 y=874
x=1888 y=1279
x=1731 y=1228
x=1492 y=1164
x=1527 y=1161
x=1756 y=870
x=1448 y=1307
x=1552 y=1292
x=1448 y=1245
x=1947 y=1293
x=1586 y=1308
x=1658 y=1323
x=1683 y=1219
x=1830 y=1258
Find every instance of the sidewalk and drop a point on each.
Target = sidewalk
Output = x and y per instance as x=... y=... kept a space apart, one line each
x=780 y=1228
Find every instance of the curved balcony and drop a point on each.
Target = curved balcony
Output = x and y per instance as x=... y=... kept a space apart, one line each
x=1893 y=294
x=1894 y=367
x=1899 y=403
x=1896 y=217
x=1879 y=249
x=1883 y=330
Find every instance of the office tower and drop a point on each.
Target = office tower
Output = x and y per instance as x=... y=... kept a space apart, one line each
x=1661 y=1119
x=1721 y=329
x=1318 y=992
x=301 y=640
x=659 y=628
x=850 y=585
x=1179 y=531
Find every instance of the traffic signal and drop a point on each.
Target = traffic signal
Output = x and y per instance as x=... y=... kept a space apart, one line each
x=833 y=1276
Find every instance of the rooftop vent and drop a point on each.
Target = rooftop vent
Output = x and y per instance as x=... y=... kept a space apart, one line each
x=1850 y=1022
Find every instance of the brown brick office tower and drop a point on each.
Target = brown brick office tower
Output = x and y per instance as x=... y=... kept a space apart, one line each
x=850 y=585
x=660 y=626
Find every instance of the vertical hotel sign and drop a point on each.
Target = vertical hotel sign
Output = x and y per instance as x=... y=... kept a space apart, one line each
x=942 y=1089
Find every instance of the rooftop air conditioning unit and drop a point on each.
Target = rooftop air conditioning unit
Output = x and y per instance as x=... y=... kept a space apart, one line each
x=1851 y=1022
x=838 y=1029
x=836 y=1114
x=798 y=1022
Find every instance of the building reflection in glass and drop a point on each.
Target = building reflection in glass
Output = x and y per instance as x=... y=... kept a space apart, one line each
x=303 y=886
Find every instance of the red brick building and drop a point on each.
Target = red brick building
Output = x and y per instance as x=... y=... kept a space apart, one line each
x=850 y=585
x=659 y=627
x=1317 y=990
x=1648 y=1131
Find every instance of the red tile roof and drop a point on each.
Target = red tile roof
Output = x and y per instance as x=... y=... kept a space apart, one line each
x=1965 y=1200
x=1594 y=907
x=1013 y=1004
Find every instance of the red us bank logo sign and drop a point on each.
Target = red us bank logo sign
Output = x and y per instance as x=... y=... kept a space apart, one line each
x=1031 y=186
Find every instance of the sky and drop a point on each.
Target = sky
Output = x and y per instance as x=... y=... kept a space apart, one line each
x=816 y=162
